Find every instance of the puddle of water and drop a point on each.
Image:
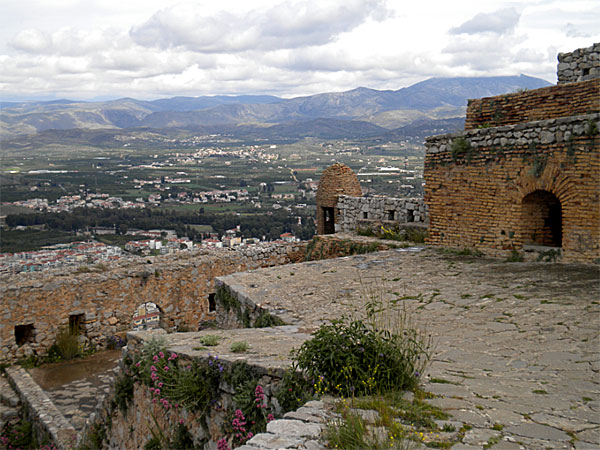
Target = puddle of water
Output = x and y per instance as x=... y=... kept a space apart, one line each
x=55 y=375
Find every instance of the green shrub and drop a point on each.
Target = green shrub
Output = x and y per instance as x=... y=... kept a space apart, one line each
x=123 y=392
x=461 y=147
x=352 y=356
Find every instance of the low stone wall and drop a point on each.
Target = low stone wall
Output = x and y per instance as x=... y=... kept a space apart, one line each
x=581 y=64
x=479 y=183
x=48 y=422
x=389 y=210
x=539 y=104
x=145 y=418
x=104 y=303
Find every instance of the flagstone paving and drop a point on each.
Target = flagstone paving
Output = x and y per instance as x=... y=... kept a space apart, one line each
x=516 y=344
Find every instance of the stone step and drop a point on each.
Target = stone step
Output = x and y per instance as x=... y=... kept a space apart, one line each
x=8 y=396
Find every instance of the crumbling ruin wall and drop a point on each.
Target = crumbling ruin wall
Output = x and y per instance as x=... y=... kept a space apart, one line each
x=42 y=304
x=579 y=65
x=355 y=212
x=478 y=183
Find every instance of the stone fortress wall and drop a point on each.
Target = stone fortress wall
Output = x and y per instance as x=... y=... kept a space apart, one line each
x=511 y=181
x=579 y=65
x=363 y=212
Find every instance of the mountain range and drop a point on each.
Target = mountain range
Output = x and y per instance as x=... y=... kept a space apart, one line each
x=434 y=104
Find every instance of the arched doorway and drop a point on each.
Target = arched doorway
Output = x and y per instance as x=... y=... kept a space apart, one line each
x=541 y=216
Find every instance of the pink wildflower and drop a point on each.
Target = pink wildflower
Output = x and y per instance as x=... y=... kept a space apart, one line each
x=161 y=354
x=270 y=417
x=155 y=358
x=166 y=368
x=180 y=421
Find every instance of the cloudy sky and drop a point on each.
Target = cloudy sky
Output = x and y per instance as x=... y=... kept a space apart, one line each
x=91 y=49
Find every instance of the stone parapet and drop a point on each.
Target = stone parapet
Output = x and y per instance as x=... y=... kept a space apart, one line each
x=354 y=210
x=579 y=65
x=545 y=103
x=48 y=422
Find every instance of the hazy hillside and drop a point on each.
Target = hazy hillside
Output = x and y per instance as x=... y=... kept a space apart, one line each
x=433 y=99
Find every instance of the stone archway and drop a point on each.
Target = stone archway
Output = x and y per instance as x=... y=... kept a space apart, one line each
x=146 y=316
x=541 y=219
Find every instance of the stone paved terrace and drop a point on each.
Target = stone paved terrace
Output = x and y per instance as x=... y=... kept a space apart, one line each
x=518 y=341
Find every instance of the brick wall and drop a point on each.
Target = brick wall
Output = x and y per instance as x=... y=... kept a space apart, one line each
x=477 y=183
x=539 y=104
x=579 y=65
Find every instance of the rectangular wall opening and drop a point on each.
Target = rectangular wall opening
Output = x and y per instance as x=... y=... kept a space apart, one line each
x=24 y=334
x=410 y=215
x=365 y=215
x=76 y=324
x=328 y=220
x=390 y=215
x=212 y=303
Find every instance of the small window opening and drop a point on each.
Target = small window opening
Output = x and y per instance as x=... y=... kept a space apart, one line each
x=76 y=324
x=410 y=216
x=586 y=72
x=365 y=215
x=328 y=220
x=390 y=215
x=212 y=303
x=24 y=333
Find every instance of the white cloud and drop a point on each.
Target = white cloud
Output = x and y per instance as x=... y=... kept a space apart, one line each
x=32 y=41
x=145 y=49
x=498 y=22
x=288 y=25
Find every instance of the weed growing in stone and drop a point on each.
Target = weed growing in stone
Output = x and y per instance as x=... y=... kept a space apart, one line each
x=210 y=340
x=239 y=347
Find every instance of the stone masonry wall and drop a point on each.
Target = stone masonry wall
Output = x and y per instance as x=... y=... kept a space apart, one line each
x=539 y=104
x=354 y=210
x=178 y=285
x=476 y=182
x=579 y=65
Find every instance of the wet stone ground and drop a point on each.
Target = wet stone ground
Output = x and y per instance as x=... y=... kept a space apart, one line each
x=75 y=387
x=516 y=344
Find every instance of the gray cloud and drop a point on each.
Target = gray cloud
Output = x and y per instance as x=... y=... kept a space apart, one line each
x=499 y=22
x=287 y=25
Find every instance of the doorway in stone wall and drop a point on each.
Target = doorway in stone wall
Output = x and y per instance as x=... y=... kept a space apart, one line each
x=541 y=218
x=328 y=220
